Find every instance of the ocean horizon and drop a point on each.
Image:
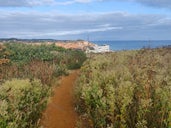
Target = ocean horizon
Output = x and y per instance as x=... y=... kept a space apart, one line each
x=133 y=44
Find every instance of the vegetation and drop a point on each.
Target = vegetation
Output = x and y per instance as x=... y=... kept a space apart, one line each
x=38 y=61
x=26 y=75
x=21 y=103
x=127 y=89
x=3 y=55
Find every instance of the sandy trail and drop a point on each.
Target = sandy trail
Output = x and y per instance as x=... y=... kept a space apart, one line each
x=60 y=111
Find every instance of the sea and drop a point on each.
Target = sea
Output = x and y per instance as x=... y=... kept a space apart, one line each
x=134 y=45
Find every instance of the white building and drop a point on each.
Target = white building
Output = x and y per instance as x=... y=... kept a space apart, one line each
x=98 y=49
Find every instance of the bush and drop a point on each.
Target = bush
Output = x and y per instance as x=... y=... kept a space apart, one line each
x=127 y=89
x=43 y=62
x=21 y=103
x=22 y=99
x=76 y=59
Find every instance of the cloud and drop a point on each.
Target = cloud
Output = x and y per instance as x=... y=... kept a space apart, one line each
x=30 y=3
x=69 y=2
x=152 y=3
x=40 y=2
x=83 y=1
x=115 y=25
x=156 y=3
x=13 y=3
x=65 y=33
x=25 y=3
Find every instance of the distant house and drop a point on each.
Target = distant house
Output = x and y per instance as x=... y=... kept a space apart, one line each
x=98 y=49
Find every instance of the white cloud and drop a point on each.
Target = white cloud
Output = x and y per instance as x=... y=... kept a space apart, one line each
x=71 y=26
x=25 y=3
x=64 y=33
x=40 y=2
x=83 y=1
x=151 y=3
x=28 y=3
x=75 y=1
x=13 y=3
x=82 y=31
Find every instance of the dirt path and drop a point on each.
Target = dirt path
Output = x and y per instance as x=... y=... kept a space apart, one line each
x=60 y=111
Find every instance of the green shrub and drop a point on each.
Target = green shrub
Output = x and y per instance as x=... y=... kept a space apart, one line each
x=21 y=103
x=22 y=99
x=127 y=89
x=43 y=62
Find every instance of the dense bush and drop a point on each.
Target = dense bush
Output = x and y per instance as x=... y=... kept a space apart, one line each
x=127 y=89
x=3 y=60
x=38 y=61
x=21 y=103
x=23 y=53
x=74 y=58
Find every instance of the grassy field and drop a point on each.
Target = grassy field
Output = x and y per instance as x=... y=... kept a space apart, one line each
x=126 y=89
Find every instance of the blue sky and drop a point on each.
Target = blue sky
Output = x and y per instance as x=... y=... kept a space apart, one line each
x=78 y=19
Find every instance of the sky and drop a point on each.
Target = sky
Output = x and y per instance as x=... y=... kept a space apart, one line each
x=86 y=19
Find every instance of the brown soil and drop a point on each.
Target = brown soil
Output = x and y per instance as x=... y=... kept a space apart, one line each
x=60 y=111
